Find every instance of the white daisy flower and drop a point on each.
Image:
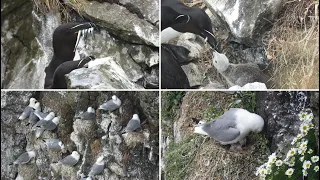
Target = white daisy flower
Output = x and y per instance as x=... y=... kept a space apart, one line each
x=291 y=152
x=302 y=151
x=289 y=172
x=304 y=172
x=310 y=151
x=278 y=163
x=299 y=136
x=304 y=133
x=268 y=170
x=304 y=145
x=302 y=116
x=309 y=117
x=306 y=164
x=316 y=168
x=291 y=164
x=304 y=127
x=262 y=177
x=315 y=159
x=311 y=126
x=262 y=171
x=272 y=158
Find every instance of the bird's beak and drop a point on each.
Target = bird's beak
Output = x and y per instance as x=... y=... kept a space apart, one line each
x=211 y=39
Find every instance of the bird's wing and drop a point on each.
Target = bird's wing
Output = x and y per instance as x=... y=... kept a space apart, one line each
x=49 y=125
x=33 y=118
x=26 y=112
x=69 y=160
x=132 y=125
x=23 y=158
x=227 y=135
x=109 y=105
x=88 y=116
x=96 y=169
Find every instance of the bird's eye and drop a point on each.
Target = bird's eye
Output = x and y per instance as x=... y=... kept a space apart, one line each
x=216 y=61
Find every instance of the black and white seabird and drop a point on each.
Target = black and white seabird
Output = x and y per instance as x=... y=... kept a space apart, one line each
x=59 y=81
x=175 y=16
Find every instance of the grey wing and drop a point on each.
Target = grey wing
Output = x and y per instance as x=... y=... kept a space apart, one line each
x=23 y=158
x=26 y=112
x=53 y=144
x=96 y=169
x=109 y=105
x=88 y=116
x=132 y=125
x=49 y=125
x=227 y=135
x=69 y=160
x=33 y=119
x=227 y=120
x=40 y=123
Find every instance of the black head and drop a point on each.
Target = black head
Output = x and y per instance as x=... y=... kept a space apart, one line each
x=65 y=37
x=199 y=24
x=170 y=17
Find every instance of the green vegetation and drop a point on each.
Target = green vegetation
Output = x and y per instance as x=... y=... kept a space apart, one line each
x=170 y=105
x=241 y=99
x=180 y=155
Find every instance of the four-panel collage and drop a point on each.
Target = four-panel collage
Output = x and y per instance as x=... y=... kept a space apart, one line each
x=159 y=90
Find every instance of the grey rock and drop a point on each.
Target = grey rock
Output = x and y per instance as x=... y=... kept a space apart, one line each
x=193 y=72
x=146 y=8
x=108 y=75
x=247 y=21
x=280 y=111
x=125 y=25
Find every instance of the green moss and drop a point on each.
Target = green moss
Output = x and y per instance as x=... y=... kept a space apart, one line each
x=180 y=155
x=170 y=105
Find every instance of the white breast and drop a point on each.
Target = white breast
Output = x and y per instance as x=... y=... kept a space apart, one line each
x=168 y=34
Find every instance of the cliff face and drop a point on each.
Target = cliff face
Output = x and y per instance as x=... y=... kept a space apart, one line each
x=130 y=156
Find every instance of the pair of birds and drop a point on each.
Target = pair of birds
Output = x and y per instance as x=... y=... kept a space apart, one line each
x=65 y=40
x=177 y=18
x=232 y=127
x=74 y=157
x=115 y=103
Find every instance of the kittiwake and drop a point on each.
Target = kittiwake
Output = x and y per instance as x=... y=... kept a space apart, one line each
x=88 y=115
x=238 y=74
x=71 y=160
x=51 y=124
x=112 y=104
x=232 y=127
x=25 y=157
x=133 y=124
x=33 y=119
x=43 y=119
x=27 y=110
x=97 y=167
x=54 y=144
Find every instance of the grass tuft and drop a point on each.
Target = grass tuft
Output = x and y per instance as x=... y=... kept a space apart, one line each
x=293 y=46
